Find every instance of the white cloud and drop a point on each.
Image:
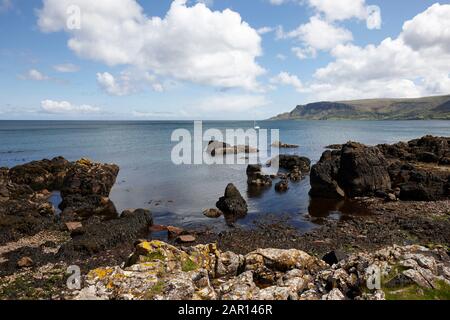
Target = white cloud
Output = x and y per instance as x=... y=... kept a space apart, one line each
x=128 y=82
x=65 y=107
x=416 y=63
x=265 y=30
x=191 y=43
x=66 y=68
x=284 y=78
x=315 y=35
x=35 y=75
x=340 y=10
x=281 y=56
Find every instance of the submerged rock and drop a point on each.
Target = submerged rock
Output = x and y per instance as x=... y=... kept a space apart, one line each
x=212 y=213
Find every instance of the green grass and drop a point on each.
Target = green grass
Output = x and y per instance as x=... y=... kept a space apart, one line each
x=414 y=292
x=189 y=265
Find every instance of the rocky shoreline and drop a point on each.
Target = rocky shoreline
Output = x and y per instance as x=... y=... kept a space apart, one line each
x=406 y=186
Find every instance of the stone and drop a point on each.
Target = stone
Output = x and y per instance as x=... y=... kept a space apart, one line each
x=25 y=262
x=232 y=203
x=174 y=232
x=282 y=186
x=73 y=226
x=186 y=238
x=334 y=294
x=212 y=213
x=333 y=257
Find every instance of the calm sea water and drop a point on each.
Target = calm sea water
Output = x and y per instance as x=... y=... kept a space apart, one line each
x=177 y=195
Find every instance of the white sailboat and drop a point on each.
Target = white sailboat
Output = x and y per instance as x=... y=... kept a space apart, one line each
x=256 y=127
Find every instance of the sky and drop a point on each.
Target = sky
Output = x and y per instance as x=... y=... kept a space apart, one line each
x=214 y=59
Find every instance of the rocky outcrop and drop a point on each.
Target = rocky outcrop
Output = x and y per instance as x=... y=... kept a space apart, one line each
x=86 y=188
x=217 y=148
x=402 y=170
x=232 y=203
x=281 y=145
x=160 y=271
x=39 y=175
x=96 y=235
x=255 y=177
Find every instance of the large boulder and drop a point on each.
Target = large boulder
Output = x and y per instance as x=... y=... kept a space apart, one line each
x=86 y=189
x=256 y=178
x=87 y=178
x=363 y=170
x=324 y=177
x=232 y=203
x=290 y=162
x=39 y=175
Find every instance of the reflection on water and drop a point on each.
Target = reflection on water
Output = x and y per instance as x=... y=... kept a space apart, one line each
x=336 y=209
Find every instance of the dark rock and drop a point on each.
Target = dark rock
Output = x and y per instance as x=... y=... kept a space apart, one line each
x=324 y=177
x=427 y=157
x=39 y=175
x=363 y=170
x=282 y=186
x=256 y=178
x=212 y=213
x=279 y=144
x=334 y=257
x=98 y=235
x=289 y=162
x=232 y=203
x=88 y=205
x=88 y=178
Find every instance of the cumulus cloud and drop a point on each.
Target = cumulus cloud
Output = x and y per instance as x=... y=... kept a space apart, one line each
x=65 y=107
x=128 y=82
x=66 y=68
x=285 y=78
x=316 y=35
x=416 y=63
x=34 y=75
x=191 y=43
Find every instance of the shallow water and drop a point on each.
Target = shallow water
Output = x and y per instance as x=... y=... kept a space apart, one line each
x=177 y=195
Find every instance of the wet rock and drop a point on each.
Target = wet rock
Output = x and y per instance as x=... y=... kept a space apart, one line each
x=174 y=232
x=360 y=171
x=289 y=162
x=282 y=186
x=255 y=177
x=89 y=205
x=39 y=175
x=324 y=177
x=97 y=235
x=186 y=239
x=89 y=178
x=212 y=213
x=217 y=148
x=363 y=170
x=279 y=144
x=334 y=257
x=232 y=203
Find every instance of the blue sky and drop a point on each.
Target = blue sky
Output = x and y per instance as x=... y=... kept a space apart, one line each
x=216 y=59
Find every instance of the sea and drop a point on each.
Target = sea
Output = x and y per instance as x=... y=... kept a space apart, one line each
x=177 y=194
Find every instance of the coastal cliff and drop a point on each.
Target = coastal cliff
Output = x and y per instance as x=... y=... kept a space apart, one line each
x=437 y=107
